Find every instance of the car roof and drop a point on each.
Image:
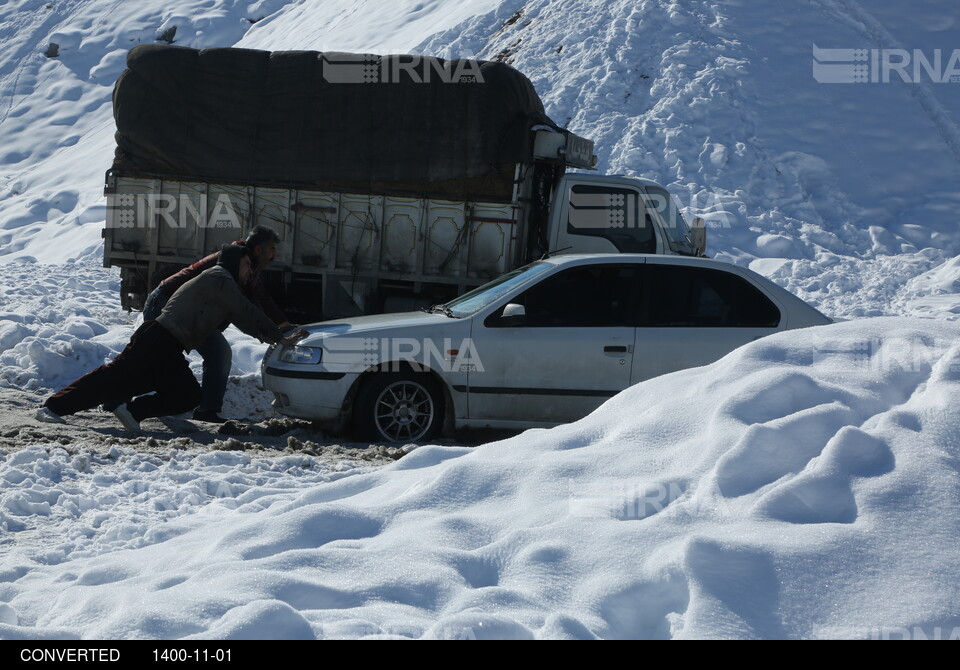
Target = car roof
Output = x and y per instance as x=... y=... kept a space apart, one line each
x=661 y=259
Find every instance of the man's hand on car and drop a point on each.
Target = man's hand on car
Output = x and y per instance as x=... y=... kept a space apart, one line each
x=292 y=338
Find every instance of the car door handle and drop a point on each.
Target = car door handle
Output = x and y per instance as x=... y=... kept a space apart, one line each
x=615 y=350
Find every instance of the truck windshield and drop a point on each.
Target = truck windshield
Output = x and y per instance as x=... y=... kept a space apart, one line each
x=678 y=232
x=477 y=299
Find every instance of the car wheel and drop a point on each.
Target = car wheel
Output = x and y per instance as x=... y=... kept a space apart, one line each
x=398 y=407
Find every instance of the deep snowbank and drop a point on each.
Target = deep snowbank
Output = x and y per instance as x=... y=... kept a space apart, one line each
x=804 y=486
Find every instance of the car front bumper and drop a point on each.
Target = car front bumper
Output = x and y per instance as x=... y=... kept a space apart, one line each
x=303 y=392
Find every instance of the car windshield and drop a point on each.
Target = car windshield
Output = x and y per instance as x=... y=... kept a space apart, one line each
x=477 y=299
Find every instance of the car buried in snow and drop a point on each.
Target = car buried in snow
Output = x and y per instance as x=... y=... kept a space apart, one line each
x=542 y=345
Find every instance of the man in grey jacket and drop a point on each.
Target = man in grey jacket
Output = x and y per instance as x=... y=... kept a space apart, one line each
x=153 y=361
x=215 y=351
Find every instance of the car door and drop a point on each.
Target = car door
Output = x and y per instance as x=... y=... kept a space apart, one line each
x=693 y=315
x=571 y=351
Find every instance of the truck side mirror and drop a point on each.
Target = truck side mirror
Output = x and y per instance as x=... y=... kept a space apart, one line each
x=698 y=236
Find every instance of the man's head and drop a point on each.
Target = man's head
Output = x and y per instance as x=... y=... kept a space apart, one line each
x=262 y=243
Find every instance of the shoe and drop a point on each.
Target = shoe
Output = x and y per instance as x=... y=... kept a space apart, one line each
x=46 y=415
x=126 y=418
x=207 y=416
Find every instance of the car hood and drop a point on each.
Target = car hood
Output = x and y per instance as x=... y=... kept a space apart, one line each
x=372 y=325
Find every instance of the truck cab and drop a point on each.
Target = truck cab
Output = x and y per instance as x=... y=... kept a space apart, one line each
x=611 y=213
x=594 y=213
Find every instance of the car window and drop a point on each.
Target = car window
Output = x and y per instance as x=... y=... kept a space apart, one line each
x=684 y=296
x=616 y=214
x=592 y=296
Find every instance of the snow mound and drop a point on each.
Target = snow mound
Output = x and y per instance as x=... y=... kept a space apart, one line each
x=804 y=486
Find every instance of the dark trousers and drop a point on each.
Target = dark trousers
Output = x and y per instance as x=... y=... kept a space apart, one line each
x=216 y=354
x=153 y=361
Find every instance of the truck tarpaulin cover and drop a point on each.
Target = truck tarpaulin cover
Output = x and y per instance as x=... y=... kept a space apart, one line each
x=324 y=120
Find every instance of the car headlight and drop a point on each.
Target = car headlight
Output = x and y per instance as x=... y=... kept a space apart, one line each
x=301 y=355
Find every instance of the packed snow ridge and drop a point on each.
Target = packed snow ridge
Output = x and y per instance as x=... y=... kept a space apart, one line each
x=804 y=486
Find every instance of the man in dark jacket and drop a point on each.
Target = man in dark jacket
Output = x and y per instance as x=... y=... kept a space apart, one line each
x=154 y=359
x=215 y=351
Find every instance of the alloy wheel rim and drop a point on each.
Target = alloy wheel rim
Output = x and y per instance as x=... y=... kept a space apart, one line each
x=404 y=411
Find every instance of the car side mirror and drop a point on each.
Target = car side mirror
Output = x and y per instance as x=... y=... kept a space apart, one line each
x=513 y=315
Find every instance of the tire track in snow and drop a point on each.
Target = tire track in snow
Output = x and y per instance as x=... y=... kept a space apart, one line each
x=18 y=53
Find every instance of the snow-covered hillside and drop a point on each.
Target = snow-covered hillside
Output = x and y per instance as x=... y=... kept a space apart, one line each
x=805 y=486
x=843 y=193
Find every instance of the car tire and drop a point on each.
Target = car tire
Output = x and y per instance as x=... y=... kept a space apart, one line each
x=398 y=407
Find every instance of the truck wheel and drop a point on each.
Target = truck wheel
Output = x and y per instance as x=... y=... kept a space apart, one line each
x=398 y=407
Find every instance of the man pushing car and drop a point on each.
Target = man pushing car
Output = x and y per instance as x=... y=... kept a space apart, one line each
x=217 y=358
x=154 y=362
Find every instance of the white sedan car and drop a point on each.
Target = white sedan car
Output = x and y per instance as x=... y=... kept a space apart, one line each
x=542 y=345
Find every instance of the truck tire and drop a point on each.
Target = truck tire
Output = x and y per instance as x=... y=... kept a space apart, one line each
x=398 y=407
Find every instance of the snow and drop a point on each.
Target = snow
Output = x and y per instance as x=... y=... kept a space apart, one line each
x=806 y=486
x=673 y=511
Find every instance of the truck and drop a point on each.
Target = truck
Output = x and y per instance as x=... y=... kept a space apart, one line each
x=392 y=181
